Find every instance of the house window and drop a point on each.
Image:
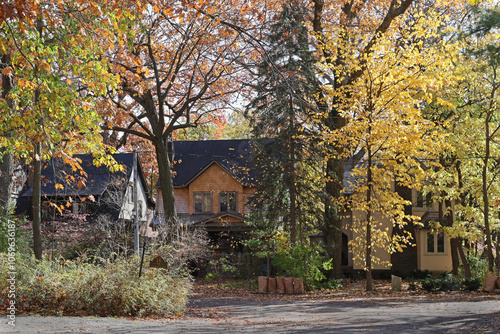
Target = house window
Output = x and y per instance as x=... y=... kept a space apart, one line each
x=80 y=208
x=227 y=201
x=424 y=201
x=435 y=242
x=202 y=202
x=48 y=211
x=139 y=208
x=131 y=194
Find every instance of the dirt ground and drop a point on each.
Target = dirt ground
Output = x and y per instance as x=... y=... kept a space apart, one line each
x=235 y=307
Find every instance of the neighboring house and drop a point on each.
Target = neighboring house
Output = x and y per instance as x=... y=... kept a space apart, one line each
x=93 y=191
x=212 y=180
x=430 y=250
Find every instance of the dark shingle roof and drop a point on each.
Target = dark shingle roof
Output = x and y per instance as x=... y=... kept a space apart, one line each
x=349 y=179
x=193 y=157
x=96 y=181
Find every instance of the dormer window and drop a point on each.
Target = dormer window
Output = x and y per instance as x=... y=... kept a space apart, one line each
x=227 y=201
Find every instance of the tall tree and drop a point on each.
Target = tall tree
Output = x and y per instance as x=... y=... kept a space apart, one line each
x=385 y=122
x=468 y=183
x=176 y=65
x=348 y=33
x=280 y=115
x=478 y=109
x=56 y=69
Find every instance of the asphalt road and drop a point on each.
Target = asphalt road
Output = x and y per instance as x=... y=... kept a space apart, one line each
x=275 y=316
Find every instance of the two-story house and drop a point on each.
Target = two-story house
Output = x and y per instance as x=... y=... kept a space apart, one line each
x=428 y=250
x=212 y=180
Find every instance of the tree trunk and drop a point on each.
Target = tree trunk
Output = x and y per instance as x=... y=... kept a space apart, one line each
x=6 y=181
x=293 y=216
x=497 y=250
x=37 y=199
x=486 y=204
x=369 y=193
x=7 y=160
x=166 y=184
x=453 y=241
x=463 y=258
x=454 y=255
x=461 y=200
x=332 y=229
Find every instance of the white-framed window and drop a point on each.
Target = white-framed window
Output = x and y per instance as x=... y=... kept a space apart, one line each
x=202 y=202
x=435 y=243
x=228 y=201
x=130 y=191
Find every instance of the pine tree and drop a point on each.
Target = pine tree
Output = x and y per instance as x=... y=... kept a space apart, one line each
x=281 y=118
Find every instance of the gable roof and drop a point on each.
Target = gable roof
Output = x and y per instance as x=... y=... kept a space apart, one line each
x=96 y=181
x=191 y=158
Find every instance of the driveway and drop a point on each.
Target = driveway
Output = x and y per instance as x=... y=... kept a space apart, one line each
x=375 y=315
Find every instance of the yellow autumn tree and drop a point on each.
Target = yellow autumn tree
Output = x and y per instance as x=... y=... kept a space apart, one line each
x=52 y=71
x=382 y=109
x=348 y=32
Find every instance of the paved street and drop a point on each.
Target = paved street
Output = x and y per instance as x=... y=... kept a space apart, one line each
x=275 y=316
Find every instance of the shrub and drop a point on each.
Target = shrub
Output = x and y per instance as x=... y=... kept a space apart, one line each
x=331 y=284
x=431 y=284
x=420 y=274
x=471 y=284
x=303 y=260
x=412 y=286
x=478 y=267
x=112 y=289
x=448 y=282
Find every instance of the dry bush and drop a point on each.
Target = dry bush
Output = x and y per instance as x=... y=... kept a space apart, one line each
x=180 y=246
x=107 y=289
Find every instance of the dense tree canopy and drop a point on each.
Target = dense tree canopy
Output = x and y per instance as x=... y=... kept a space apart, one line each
x=325 y=80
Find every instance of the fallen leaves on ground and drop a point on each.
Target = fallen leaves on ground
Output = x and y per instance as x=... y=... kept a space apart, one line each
x=352 y=290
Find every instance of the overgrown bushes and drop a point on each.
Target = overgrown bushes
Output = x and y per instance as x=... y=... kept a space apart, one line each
x=111 y=289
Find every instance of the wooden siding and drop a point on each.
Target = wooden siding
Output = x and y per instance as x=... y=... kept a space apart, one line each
x=215 y=179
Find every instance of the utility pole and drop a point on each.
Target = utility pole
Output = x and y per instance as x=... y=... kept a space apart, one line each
x=136 y=213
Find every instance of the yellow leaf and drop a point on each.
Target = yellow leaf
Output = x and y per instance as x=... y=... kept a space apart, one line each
x=59 y=186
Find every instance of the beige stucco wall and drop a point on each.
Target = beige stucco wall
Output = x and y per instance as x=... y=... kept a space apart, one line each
x=433 y=262
x=380 y=253
x=436 y=263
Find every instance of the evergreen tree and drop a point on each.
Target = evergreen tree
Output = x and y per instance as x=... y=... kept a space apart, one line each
x=288 y=192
